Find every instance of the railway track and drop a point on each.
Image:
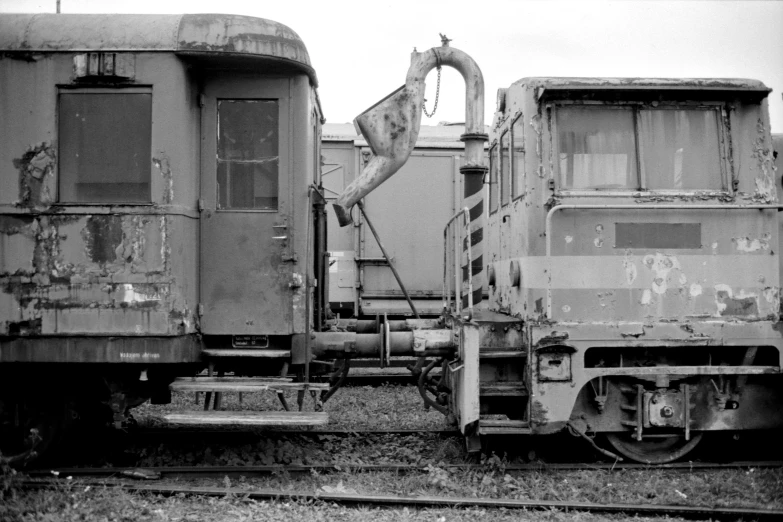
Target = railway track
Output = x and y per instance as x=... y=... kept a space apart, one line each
x=690 y=512
x=176 y=472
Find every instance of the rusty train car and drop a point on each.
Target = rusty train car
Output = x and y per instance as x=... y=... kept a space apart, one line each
x=157 y=201
x=630 y=246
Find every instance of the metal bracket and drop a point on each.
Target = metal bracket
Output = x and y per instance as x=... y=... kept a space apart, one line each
x=601 y=394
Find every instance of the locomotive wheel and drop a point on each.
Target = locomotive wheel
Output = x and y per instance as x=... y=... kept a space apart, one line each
x=658 y=450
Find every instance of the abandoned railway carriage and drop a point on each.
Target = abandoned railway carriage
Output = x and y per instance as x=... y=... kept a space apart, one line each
x=157 y=175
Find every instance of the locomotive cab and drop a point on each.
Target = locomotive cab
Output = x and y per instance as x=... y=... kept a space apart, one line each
x=633 y=230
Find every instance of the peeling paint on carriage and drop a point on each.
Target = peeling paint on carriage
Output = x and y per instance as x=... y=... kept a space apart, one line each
x=36 y=167
x=59 y=270
x=163 y=164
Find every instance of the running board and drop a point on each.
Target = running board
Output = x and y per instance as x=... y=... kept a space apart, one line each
x=248 y=418
x=247 y=352
x=241 y=384
x=503 y=427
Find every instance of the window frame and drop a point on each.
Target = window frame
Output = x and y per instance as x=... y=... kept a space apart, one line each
x=516 y=188
x=85 y=89
x=280 y=115
x=493 y=178
x=719 y=108
x=504 y=157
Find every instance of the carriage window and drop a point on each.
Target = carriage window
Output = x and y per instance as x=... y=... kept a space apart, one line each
x=597 y=149
x=493 y=179
x=505 y=169
x=104 y=147
x=518 y=165
x=680 y=149
x=248 y=154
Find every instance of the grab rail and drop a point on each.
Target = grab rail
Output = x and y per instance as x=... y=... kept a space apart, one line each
x=459 y=280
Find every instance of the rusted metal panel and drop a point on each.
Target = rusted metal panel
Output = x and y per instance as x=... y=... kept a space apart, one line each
x=554 y=366
x=124 y=350
x=657 y=235
x=99 y=274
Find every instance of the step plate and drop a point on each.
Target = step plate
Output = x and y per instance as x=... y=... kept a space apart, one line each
x=503 y=389
x=248 y=418
x=234 y=384
x=503 y=427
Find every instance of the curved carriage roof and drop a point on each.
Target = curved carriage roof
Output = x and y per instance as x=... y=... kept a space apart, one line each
x=188 y=34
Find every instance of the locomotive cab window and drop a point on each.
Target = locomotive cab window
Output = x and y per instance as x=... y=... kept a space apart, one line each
x=505 y=169
x=104 y=146
x=248 y=161
x=630 y=148
x=493 y=178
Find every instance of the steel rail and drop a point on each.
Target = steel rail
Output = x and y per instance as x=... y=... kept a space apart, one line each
x=424 y=501
x=157 y=472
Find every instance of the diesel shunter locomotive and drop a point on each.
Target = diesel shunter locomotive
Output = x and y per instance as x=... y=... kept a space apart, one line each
x=630 y=253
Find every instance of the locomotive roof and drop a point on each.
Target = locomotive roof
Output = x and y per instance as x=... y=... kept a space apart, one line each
x=554 y=86
x=194 y=35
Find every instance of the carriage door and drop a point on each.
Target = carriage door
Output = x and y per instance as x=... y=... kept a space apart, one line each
x=245 y=199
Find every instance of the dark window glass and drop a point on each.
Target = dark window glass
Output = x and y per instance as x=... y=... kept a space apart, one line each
x=680 y=149
x=104 y=147
x=597 y=149
x=518 y=165
x=248 y=154
x=493 y=179
x=505 y=169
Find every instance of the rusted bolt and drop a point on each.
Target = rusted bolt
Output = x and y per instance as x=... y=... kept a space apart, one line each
x=492 y=328
x=667 y=412
x=505 y=328
x=654 y=399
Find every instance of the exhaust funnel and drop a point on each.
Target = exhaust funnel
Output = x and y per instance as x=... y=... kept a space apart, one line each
x=391 y=128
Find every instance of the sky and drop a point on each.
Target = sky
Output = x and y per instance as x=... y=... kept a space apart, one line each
x=361 y=49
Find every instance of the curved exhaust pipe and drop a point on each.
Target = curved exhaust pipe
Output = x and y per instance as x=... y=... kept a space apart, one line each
x=391 y=128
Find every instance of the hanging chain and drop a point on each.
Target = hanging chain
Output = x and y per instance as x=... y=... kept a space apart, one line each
x=437 y=95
